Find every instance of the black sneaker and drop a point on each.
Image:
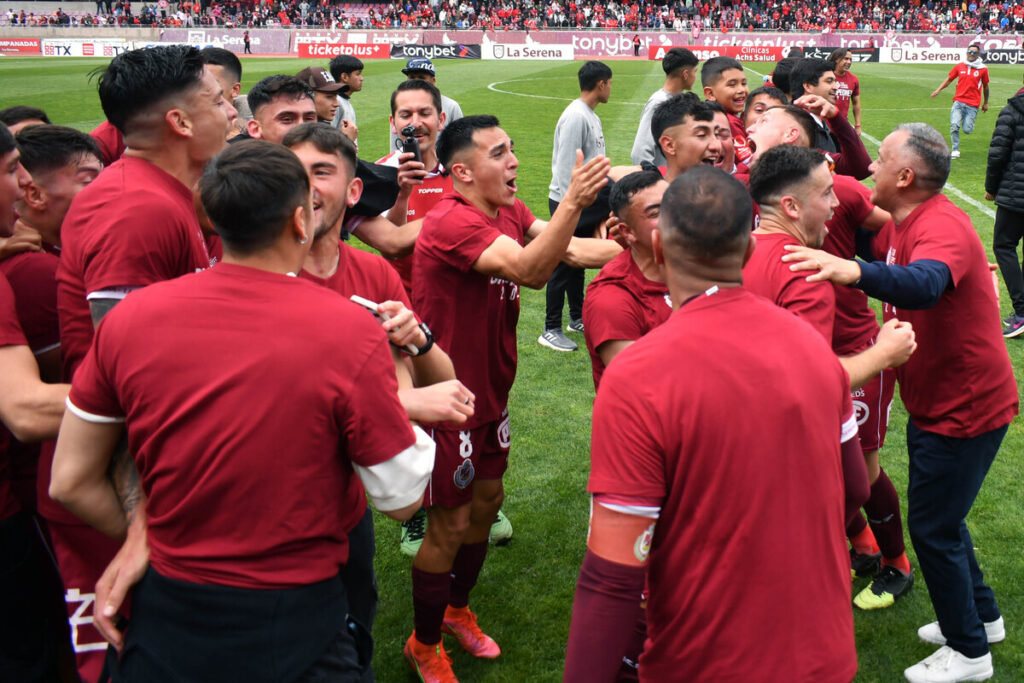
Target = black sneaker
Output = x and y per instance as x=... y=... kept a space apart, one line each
x=888 y=585
x=1012 y=326
x=862 y=565
x=575 y=326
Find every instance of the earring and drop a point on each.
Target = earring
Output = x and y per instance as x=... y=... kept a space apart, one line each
x=304 y=239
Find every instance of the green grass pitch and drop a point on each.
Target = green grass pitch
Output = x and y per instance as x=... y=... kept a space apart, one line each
x=525 y=594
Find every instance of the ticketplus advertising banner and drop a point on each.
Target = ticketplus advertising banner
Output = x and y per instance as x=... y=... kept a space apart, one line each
x=329 y=50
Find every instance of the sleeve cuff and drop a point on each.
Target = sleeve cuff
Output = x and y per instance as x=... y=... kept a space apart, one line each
x=91 y=417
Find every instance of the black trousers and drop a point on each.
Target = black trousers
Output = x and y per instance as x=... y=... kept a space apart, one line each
x=565 y=281
x=1006 y=236
x=182 y=631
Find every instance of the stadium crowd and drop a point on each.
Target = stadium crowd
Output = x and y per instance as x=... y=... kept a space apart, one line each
x=199 y=404
x=945 y=16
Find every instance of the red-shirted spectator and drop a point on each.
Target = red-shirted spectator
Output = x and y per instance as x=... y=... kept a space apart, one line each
x=971 y=81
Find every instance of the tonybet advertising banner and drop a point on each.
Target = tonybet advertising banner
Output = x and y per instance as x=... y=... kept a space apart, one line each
x=1003 y=57
x=435 y=51
x=19 y=46
x=744 y=53
x=360 y=50
x=534 y=51
x=84 y=47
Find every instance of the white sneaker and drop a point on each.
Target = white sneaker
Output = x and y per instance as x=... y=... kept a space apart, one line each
x=946 y=665
x=955 y=154
x=931 y=633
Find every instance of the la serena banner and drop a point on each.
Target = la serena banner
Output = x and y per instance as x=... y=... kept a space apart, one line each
x=360 y=50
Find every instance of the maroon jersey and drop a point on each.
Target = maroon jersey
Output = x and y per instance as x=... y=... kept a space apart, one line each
x=473 y=316
x=423 y=198
x=33 y=277
x=10 y=335
x=293 y=384
x=621 y=304
x=781 y=486
x=847 y=87
x=133 y=226
x=739 y=141
x=856 y=325
x=959 y=382
x=767 y=275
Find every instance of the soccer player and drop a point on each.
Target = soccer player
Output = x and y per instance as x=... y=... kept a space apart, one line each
x=278 y=103
x=325 y=91
x=661 y=486
x=227 y=69
x=337 y=414
x=478 y=246
x=133 y=226
x=812 y=85
x=932 y=269
x=347 y=70
x=727 y=158
x=847 y=85
x=685 y=130
x=21 y=116
x=421 y=68
x=723 y=81
x=628 y=298
x=758 y=101
x=578 y=128
x=971 y=79
x=680 y=67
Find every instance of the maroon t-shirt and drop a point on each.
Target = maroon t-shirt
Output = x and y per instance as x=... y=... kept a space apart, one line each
x=856 y=325
x=10 y=335
x=767 y=275
x=847 y=87
x=735 y=486
x=132 y=226
x=621 y=304
x=959 y=382
x=244 y=446
x=473 y=316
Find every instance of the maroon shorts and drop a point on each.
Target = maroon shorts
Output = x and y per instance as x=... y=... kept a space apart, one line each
x=462 y=457
x=871 y=404
x=82 y=556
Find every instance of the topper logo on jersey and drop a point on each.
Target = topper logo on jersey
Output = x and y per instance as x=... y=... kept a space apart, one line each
x=78 y=619
x=505 y=430
x=861 y=412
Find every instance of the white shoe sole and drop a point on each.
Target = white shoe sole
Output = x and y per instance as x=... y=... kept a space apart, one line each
x=544 y=342
x=995 y=631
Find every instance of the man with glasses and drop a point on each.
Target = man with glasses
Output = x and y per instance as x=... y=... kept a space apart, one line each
x=971 y=81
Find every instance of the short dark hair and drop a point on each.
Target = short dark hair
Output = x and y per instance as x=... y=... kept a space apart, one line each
x=781 y=168
x=705 y=212
x=780 y=75
x=218 y=56
x=325 y=138
x=249 y=192
x=136 y=80
x=592 y=73
x=837 y=54
x=46 y=148
x=678 y=58
x=807 y=71
x=21 y=112
x=623 y=191
x=273 y=87
x=458 y=135
x=344 y=64
x=713 y=69
x=6 y=140
x=675 y=110
x=417 y=84
x=768 y=90
x=803 y=119
x=929 y=146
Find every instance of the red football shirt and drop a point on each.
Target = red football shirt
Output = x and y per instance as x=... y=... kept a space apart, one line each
x=473 y=316
x=244 y=447
x=847 y=87
x=959 y=382
x=621 y=304
x=423 y=198
x=10 y=335
x=856 y=325
x=767 y=275
x=33 y=277
x=736 y=487
x=968 y=83
x=133 y=226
